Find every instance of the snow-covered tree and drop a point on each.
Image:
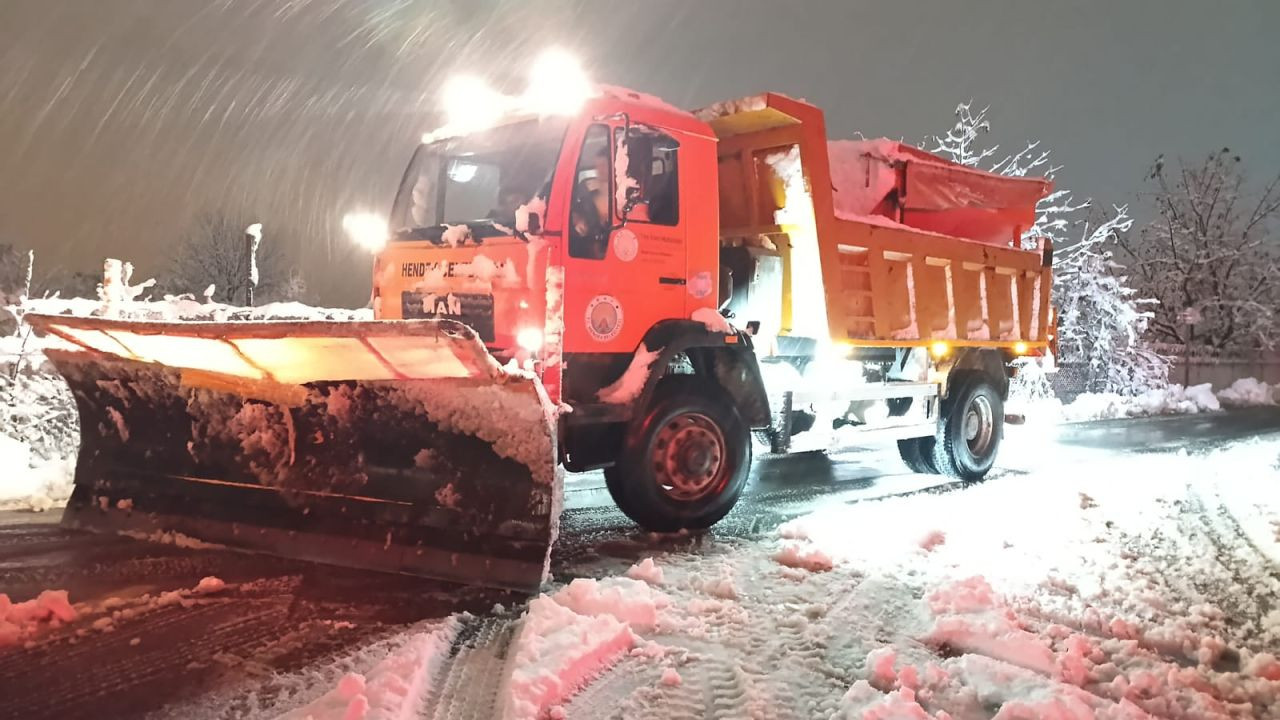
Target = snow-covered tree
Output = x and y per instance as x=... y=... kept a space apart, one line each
x=213 y=253
x=1101 y=318
x=1213 y=250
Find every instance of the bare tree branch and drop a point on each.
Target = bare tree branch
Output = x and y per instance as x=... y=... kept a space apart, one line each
x=1213 y=250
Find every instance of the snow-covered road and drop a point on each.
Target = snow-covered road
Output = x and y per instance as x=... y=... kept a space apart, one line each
x=1079 y=581
x=1108 y=586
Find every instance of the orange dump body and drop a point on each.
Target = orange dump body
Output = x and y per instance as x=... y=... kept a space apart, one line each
x=909 y=249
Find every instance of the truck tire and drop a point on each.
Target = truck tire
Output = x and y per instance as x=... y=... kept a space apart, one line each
x=686 y=461
x=917 y=453
x=970 y=429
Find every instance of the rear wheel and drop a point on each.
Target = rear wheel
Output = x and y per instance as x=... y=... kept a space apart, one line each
x=917 y=453
x=685 y=464
x=970 y=431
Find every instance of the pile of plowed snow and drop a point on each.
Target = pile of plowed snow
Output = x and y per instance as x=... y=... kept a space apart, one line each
x=1173 y=400
x=1249 y=392
x=569 y=637
x=19 y=621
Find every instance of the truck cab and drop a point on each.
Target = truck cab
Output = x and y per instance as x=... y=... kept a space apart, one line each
x=489 y=225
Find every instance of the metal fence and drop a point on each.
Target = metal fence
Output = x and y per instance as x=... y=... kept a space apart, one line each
x=1221 y=373
x=1070 y=381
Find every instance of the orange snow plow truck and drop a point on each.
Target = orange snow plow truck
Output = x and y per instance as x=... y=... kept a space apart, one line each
x=628 y=287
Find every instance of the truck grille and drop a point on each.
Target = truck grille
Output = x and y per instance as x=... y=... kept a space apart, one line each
x=474 y=309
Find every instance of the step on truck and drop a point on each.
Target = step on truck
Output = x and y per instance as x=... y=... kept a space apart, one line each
x=617 y=285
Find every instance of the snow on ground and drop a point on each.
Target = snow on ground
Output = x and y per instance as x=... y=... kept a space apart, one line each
x=1104 y=586
x=1126 y=586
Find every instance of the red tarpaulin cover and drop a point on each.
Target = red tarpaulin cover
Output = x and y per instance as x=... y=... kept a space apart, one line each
x=878 y=180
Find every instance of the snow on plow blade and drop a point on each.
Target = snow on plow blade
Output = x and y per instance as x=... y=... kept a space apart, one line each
x=397 y=446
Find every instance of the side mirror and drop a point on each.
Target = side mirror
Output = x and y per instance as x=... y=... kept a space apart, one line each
x=535 y=224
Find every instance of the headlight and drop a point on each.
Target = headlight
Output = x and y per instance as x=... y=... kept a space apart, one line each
x=530 y=339
x=368 y=230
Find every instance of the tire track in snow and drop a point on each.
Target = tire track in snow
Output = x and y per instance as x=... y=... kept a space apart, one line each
x=1253 y=568
x=607 y=695
x=471 y=679
x=1242 y=570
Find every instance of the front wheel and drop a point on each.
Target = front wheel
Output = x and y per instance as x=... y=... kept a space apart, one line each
x=970 y=430
x=685 y=463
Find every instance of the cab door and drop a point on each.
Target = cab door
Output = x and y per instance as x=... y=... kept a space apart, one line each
x=625 y=261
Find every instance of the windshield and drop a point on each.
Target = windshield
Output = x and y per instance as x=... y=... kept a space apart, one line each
x=478 y=179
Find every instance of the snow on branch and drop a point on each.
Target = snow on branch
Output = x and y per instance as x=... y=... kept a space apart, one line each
x=960 y=142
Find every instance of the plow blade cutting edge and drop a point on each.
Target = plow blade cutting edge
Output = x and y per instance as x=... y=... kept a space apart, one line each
x=396 y=446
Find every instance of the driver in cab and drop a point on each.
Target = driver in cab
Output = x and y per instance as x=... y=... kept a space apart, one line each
x=590 y=216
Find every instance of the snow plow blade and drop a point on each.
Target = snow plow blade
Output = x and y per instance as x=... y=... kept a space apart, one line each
x=395 y=446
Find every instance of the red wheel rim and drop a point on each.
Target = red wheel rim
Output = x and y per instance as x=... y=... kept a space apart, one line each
x=689 y=458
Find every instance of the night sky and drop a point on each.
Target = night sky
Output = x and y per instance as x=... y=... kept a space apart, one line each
x=120 y=120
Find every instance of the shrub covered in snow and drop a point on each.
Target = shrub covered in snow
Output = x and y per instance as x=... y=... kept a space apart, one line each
x=39 y=435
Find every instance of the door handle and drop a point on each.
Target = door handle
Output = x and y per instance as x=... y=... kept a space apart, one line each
x=671 y=280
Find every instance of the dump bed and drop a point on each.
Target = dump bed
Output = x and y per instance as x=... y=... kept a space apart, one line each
x=880 y=243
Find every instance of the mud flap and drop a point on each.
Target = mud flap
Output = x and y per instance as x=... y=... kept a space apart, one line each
x=397 y=446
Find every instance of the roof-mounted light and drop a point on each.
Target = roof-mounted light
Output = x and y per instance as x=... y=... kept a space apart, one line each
x=557 y=84
x=471 y=104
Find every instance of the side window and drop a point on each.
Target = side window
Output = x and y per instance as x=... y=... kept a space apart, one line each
x=590 y=214
x=653 y=176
